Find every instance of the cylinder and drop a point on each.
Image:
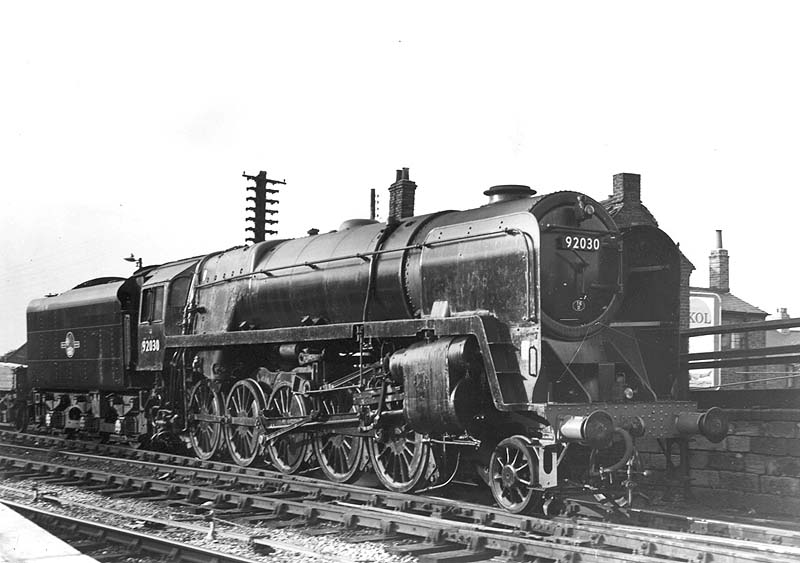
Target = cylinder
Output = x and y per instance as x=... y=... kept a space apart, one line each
x=441 y=383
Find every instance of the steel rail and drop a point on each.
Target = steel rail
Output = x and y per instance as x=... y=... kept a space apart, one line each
x=681 y=546
x=218 y=472
x=591 y=542
x=129 y=540
x=716 y=527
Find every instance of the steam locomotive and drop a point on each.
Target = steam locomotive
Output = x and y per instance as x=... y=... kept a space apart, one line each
x=519 y=342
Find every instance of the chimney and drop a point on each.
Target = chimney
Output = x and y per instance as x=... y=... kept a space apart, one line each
x=628 y=187
x=718 y=277
x=401 y=197
x=783 y=313
x=508 y=192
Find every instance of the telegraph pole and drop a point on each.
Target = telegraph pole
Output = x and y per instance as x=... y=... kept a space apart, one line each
x=259 y=207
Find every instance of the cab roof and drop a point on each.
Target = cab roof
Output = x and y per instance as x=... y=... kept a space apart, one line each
x=168 y=272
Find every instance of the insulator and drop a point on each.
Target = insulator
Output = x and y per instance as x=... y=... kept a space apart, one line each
x=270 y=232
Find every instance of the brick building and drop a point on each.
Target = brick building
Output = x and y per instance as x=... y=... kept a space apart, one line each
x=626 y=207
x=785 y=375
x=757 y=467
x=734 y=311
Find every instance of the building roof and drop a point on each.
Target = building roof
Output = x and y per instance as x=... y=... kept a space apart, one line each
x=733 y=304
x=615 y=204
x=685 y=261
x=18 y=356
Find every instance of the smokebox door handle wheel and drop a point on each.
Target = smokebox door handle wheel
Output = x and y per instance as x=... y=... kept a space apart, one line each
x=205 y=423
x=514 y=475
x=288 y=453
x=399 y=457
x=338 y=454
x=243 y=407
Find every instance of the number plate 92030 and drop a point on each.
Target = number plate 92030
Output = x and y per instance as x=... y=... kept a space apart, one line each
x=579 y=242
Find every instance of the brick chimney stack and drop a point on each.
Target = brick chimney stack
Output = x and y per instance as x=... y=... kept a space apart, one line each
x=718 y=274
x=628 y=187
x=783 y=313
x=401 y=197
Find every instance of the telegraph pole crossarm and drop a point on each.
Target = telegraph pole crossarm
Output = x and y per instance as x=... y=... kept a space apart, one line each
x=259 y=207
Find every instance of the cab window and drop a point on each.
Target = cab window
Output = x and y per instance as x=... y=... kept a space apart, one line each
x=152 y=304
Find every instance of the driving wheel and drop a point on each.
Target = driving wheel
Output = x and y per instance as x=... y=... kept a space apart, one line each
x=244 y=406
x=399 y=457
x=339 y=454
x=289 y=452
x=204 y=414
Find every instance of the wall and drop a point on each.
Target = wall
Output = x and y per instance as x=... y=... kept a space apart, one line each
x=756 y=467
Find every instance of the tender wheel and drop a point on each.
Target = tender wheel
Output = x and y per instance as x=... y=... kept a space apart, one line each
x=244 y=405
x=205 y=435
x=513 y=474
x=399 y=458
x=339 y=455
x=289 y=452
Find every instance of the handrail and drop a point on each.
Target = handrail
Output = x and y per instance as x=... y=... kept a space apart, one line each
x=741 y=357
x=741 y=327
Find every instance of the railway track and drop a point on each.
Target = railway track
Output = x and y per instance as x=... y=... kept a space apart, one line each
x=432 y=529
x=97 y=539
x=774 y=532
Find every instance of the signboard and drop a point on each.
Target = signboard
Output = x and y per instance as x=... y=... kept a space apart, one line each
x=705 y=310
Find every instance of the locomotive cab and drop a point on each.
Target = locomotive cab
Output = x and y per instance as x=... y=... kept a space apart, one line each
x=162 y=305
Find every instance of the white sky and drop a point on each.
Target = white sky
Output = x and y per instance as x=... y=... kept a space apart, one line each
x=125 y=127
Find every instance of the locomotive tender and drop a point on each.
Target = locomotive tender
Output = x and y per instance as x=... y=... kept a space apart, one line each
x=519 y=340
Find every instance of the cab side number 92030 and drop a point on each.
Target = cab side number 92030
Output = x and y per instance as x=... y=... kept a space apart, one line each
x=151 y=345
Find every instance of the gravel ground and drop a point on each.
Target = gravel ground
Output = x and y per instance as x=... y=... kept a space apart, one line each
x=311 y=549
